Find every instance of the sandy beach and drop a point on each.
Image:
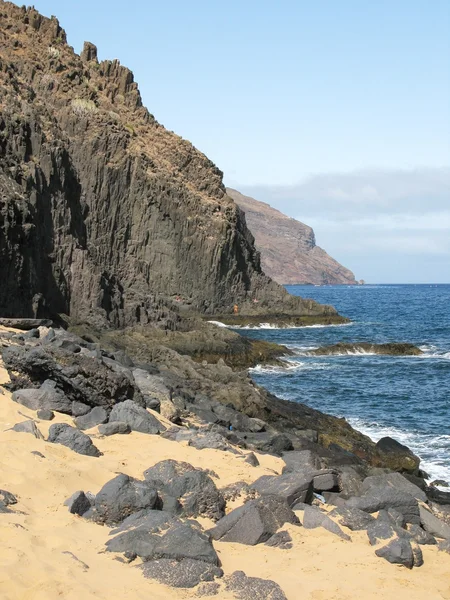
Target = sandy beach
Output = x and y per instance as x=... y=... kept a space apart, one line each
x=48 y=553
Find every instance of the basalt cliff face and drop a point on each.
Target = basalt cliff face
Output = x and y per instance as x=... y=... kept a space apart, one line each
x=105 y=215
x=288 y=248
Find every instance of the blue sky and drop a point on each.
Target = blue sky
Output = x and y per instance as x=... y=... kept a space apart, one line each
x=284 y=95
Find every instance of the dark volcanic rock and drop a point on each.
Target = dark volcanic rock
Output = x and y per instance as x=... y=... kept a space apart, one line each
x=313 y=517
x=78 y=503
x=6 y=498
x=121 y=497
x=353 y=518
x=394 y=349
x=136 y=417
x=394 y=481
x=25 y=324
x=254 y=522
x=420 y=535
x=79 y=442
x=173 y=540
x=90 y=203
x=433 y=525
x=47 y=397
x=281 y=539
x=186 y=573
x=194 y=489
x=96 y=416
x=45 y=414
x=398 y=551
x=253 y=588
x=387 y=497
x=113 y=428
x=397 y=456
x=74 y=377
x=292 y=487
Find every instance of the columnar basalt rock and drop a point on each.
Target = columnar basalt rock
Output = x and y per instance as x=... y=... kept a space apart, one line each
x=105 y=215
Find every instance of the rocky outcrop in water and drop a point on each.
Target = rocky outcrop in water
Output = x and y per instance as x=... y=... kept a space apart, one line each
x=288 y=247
x=391 y=348
x=105 y=215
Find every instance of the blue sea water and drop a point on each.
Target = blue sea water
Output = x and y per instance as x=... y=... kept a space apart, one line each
x=407 y=398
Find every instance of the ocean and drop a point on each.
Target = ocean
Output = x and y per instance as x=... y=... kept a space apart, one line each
x=407 y=398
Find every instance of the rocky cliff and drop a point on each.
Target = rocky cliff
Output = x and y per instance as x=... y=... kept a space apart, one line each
x=288 y=248
x=105 y=215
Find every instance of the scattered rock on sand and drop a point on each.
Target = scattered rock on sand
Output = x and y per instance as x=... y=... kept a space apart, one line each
x=186 y=573
x=253 y=588
x=61 y=433
x=96 y=416
x=122 y=496
x=136 y=417
x=113 y=428
x=78 y=503
x=28 y=427
x=254 y=522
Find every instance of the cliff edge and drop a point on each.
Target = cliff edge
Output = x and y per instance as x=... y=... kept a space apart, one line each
x=289 y=254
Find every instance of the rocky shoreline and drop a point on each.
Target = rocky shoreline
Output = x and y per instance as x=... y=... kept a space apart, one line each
x=331 y=477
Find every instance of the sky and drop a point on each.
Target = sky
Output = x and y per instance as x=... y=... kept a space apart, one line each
x=335 y=112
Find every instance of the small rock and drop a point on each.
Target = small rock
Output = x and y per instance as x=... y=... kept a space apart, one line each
x=78 y=409
x=433 y=525
x=353 y=518
x=281 y=539
x=113 y=428
x=136 y=417
x=45 y=415
x=7 y=498
x=420 y=535
x=28 y=427
x=253 y=588
x=252 y=460
x=314 y=517
x=61 y=433
x=186 y=573
x=78 y=503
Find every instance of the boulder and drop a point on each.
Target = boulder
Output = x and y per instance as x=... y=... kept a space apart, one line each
x=176 y=541
x=253 y=588
x=96 y=416
x=292 y=487
x=420 y=536
x=185 y=573
x=122 y=496
x=48 y=396
x=254 y=522
x=61 y=433
x=394 y=481
x=380 y=530
x=113 y=428
x=152 y=388
x=25 y=324
x=313 y=517
x=301 y=460
x=45 y=414
x=433 y=525
x=28 y=427
x=78 y=409
x=78 y=503
x=192 y=488
x=353 y=518
x=136 y=417
x=396 y=456
x=378 y=498
x=398 y=551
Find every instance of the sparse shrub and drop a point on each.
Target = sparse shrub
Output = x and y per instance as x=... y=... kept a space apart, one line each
x=82 y=108
x=130 y=129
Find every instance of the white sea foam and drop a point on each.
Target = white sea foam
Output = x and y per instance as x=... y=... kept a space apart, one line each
x=432 y=449
x=219 y=324
x=288 y=367
x=273 y=326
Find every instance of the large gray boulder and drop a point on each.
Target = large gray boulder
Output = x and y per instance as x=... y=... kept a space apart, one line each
x=48 y=396
x=395 y=481
x=191 y=490
x=292 y=487
x=96 y=416
x=61 y=433
x=301 y=460
x=122 y=496
x=433 y=525
x=175 y=540
x=353 y=518
x=254 y=522
x=136 y=417
x=398 y=551
x=383 y=497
